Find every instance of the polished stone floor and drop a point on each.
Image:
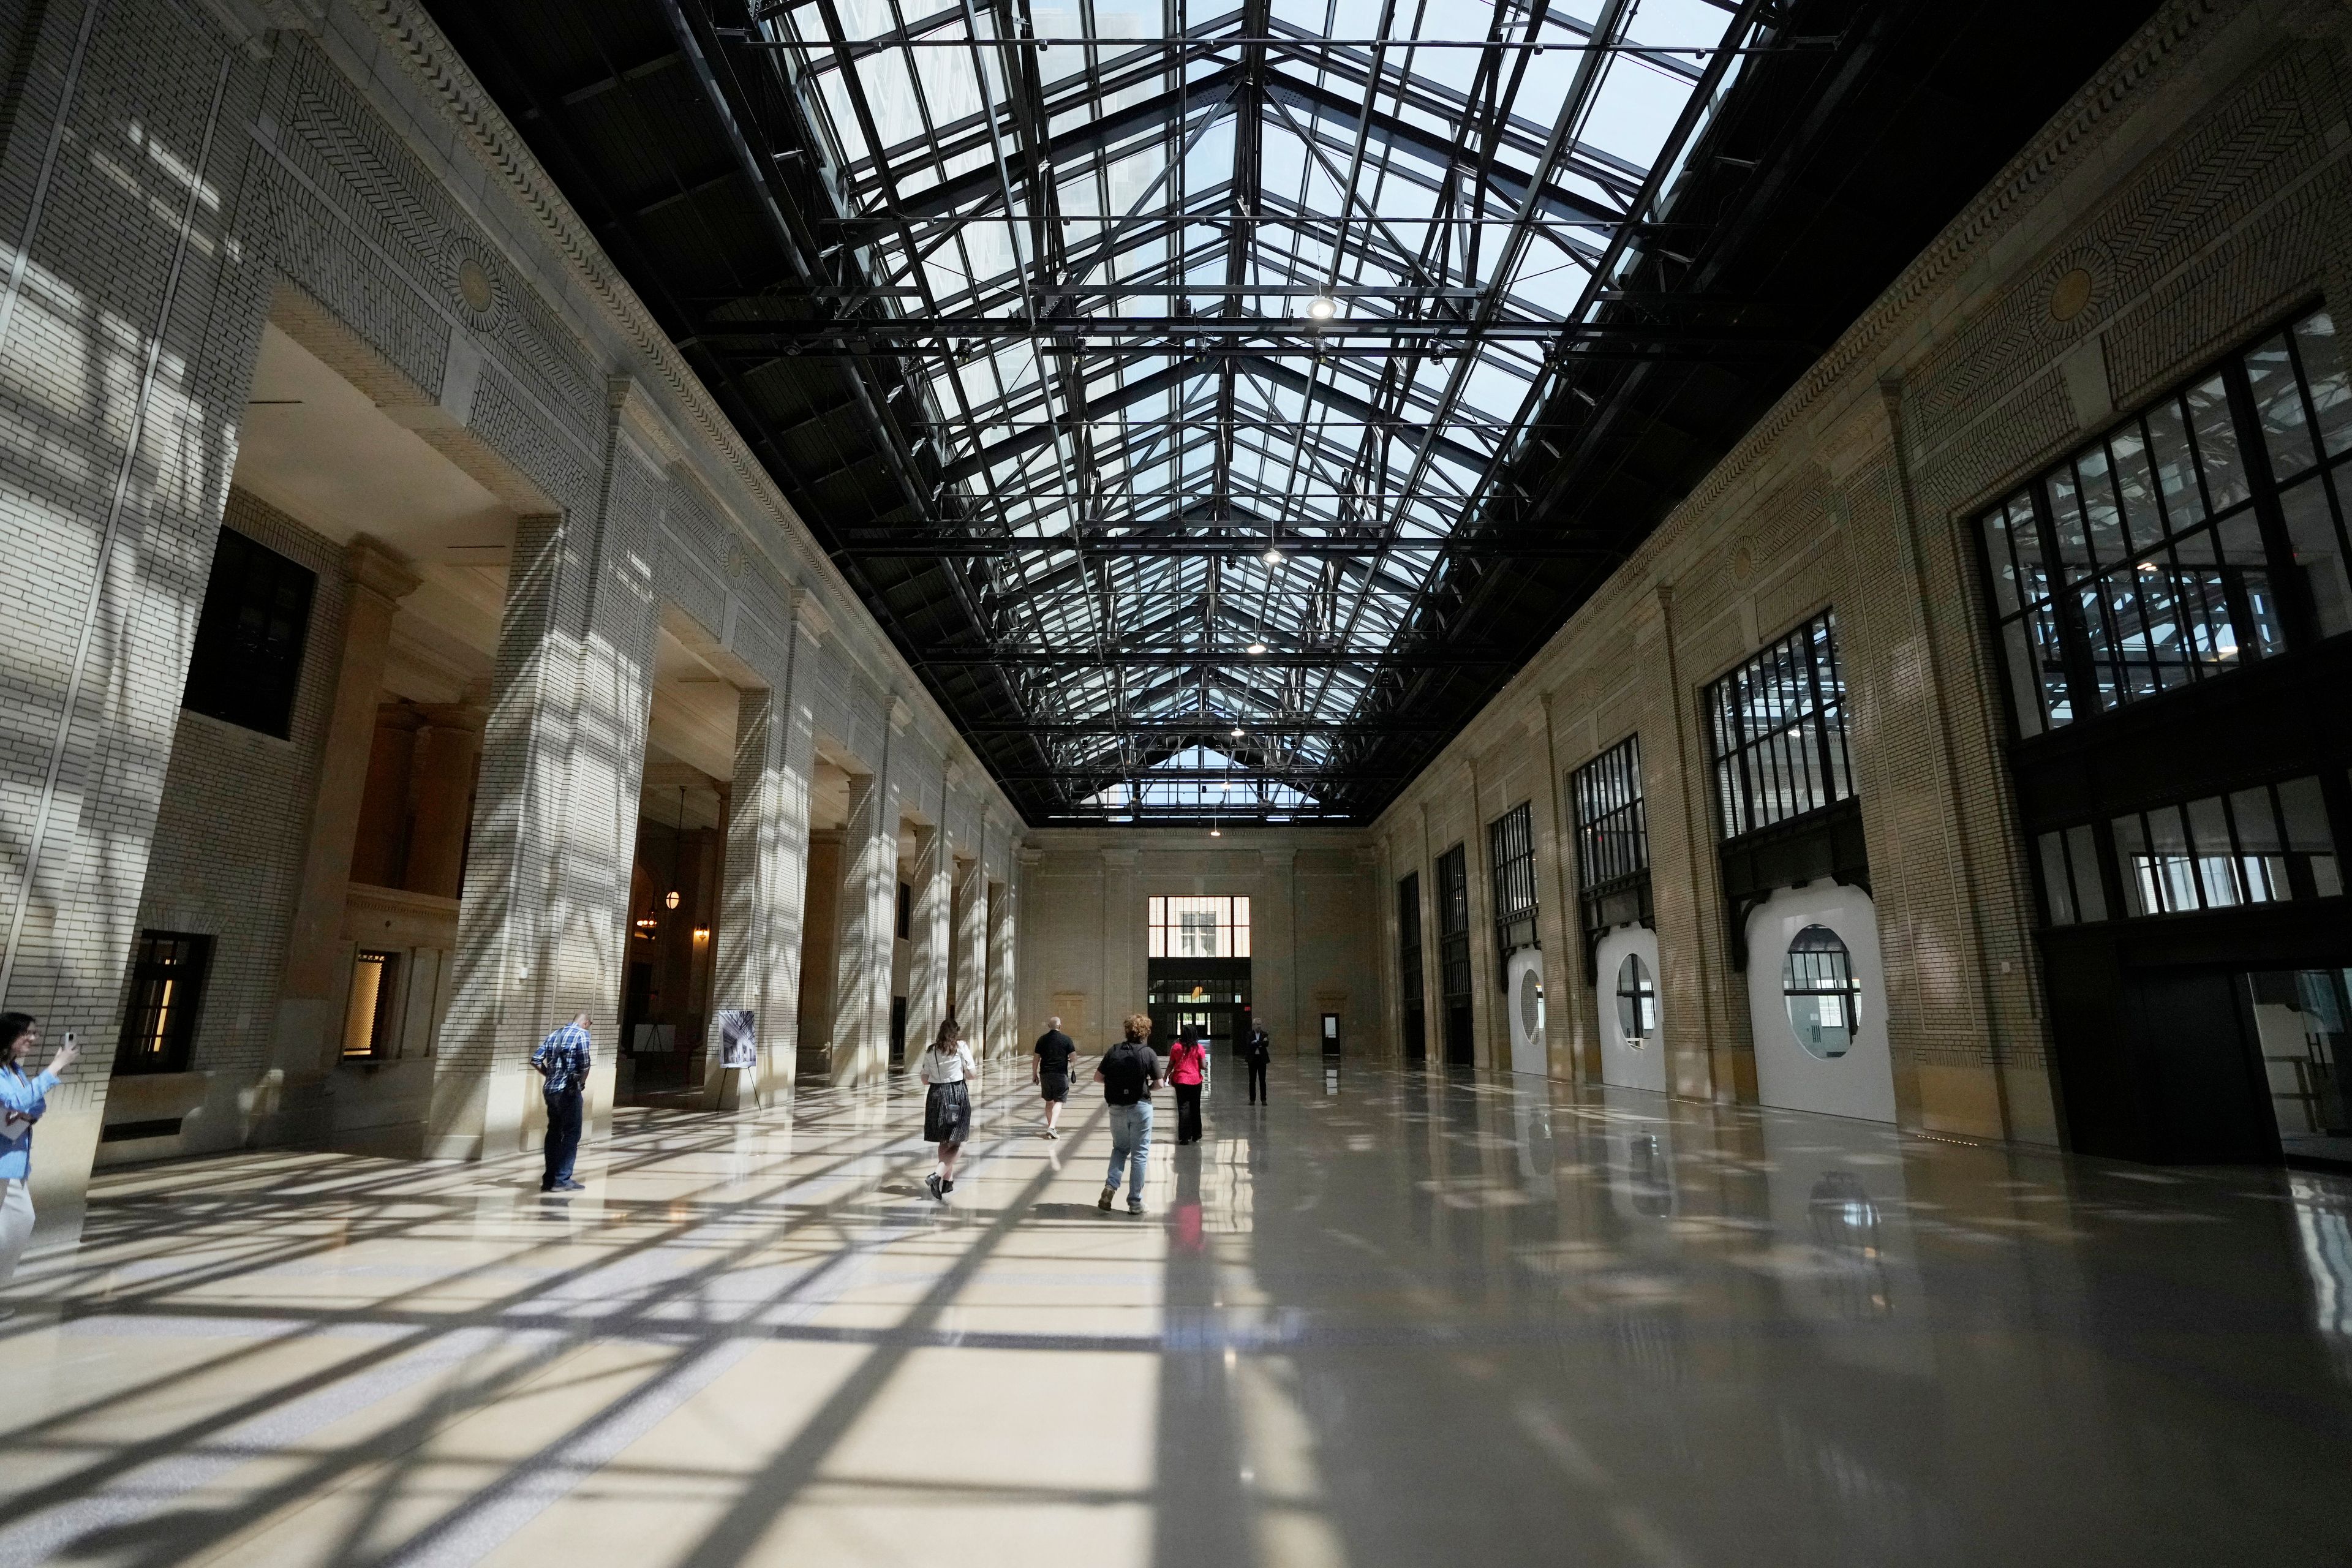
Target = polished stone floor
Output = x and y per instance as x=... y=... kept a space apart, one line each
x=1391 y=1319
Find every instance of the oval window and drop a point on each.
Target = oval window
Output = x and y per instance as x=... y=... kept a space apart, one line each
x=1637 y=1001
x=1824 y=999
x=1530 y=1004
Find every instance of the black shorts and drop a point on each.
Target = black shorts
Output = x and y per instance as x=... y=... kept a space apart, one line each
x=1054 y=1086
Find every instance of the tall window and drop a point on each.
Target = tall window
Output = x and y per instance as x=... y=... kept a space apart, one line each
x=2262 y=845
x=1199 y=928
x=247 y=655
x=1409 y=937
x=1776 y=726
x=1454 y=924
x=368 y=1014
x=167 y=987
x=2158 y=554
x=1511 y=850
x=1612 y=837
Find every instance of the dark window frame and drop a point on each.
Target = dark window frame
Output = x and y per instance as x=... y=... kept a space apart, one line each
x=2269 y=601
x=1760 y=770
x=1410 y=978
x=245 y=667
x=1511 y=870
x=1453 y=974
x=1612 y=845
x=155 y=952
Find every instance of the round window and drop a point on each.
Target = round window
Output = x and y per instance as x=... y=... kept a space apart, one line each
x=1824 y=999
x=1637 y=1001
x=1530 y=1002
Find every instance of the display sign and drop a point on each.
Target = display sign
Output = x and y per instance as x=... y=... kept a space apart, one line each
x=738 y=1043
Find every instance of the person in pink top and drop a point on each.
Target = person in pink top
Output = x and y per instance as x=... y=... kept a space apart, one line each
x=1188 y=1065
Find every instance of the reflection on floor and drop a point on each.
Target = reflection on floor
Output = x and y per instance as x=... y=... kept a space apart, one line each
x=1389 y=1319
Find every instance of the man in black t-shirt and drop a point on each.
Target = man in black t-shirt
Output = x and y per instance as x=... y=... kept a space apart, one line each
x=1050 y=1070
x=1258 y=1053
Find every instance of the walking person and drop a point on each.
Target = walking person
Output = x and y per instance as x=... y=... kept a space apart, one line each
x=1049 y=1070
x=1128 y=1072
x=562 y=1062
x=23 y=1097
x=1188 y=1067
x=949 y=1068
x=1255 y=1055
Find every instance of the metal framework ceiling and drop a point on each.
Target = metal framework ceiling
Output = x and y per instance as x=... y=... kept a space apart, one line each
x=1217 y=403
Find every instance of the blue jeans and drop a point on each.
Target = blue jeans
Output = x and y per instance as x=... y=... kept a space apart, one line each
x=1130 y=1138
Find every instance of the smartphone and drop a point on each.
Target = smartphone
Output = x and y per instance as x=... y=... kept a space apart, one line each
x=69 y=1036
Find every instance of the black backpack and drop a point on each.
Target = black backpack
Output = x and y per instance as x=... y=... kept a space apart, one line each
x=1127 y=1072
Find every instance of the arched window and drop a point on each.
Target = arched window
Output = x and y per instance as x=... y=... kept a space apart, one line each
x=1637 y=1001
x=1824 y=1000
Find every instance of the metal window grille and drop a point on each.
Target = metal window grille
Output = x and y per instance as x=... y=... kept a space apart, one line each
x=1511 y=853
x=1612 y=832
x=2154 y=557
x=1453 y=924
x=1198 y=927
x=1776 y=726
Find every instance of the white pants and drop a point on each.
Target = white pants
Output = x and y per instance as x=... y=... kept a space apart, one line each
x=15 y=1224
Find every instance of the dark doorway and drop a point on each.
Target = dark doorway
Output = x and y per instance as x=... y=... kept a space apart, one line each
x=899 y=1031
x=2199 y=1067
x=1211 y=995
x=1416 y=1033
x=1330 y=1032
x=1460 y=1051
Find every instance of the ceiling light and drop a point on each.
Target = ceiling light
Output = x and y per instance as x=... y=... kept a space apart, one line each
x=1322 y=308
x=1216 y=832
x=1258 y=647
x=1272 y=557
x=1237 y=731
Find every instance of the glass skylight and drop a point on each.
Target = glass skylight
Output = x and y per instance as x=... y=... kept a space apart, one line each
x=1173 y=230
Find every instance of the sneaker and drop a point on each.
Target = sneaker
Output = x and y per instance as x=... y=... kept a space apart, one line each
x=932 y=1182
x=1135 y=1206
x=571 y=1187
x=1103 y=1203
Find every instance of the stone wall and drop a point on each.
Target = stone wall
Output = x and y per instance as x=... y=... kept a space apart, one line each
x=2191 y=194
x=171 y=178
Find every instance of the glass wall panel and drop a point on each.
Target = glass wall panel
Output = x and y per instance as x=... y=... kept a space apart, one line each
x=1777 y=728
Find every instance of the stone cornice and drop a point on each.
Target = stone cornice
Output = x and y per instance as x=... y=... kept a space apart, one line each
x=413 y=44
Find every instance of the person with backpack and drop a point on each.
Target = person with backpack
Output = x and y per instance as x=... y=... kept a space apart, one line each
x=947 y=1067
x=1255 y=1055
x=1188 y=1067
x=562 y=1060
x=1129 y=1071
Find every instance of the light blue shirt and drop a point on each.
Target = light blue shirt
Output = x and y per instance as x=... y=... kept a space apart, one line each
x=22 y=1100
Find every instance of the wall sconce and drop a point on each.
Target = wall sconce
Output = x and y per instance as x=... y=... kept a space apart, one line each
x=703 y=933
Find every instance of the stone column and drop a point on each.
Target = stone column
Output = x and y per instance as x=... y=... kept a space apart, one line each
x=1433 y=967
x=308 y=1032
x=1490 y=1026
x=1274 y=936
x=970 y=961
x=441 y=797
x=544 y=916
x=764 y=893
x=927 y=966
x=1002 y=1021
x=1124 y=989
x=1567 y=1004
x=1702 y=1002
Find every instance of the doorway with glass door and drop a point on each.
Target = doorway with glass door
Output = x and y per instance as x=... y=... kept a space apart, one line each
x=1198 y=949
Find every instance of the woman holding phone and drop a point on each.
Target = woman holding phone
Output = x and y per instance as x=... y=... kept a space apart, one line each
x=22 y=1100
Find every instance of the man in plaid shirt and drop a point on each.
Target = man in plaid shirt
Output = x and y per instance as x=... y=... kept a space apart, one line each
x=562 y=1060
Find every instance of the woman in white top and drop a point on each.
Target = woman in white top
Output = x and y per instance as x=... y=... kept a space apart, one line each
x=947 y=1067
